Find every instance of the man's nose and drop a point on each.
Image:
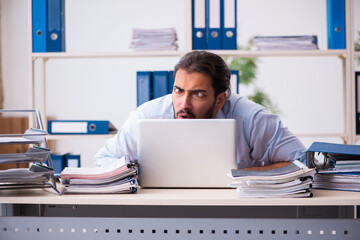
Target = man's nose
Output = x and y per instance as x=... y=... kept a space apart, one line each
x=186 y=101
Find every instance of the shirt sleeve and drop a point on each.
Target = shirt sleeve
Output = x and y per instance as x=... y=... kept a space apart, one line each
x=122 y=144
x=271 y=142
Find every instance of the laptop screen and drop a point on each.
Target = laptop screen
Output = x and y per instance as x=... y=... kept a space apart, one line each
x=186 y=153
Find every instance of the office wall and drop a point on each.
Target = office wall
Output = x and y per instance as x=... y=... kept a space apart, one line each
x=307 y=90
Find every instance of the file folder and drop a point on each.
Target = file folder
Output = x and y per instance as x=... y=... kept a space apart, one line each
x=335 y=10
x=171 y=81
x=160 y=83
x=143 y=87
x=58 y=162
x=357 y=103
x=39 y=25
x=234 y=81
x=80 y=127
x=72 y=160
x=332 y=150
x=214 y=25
x=199 y=38
x=229 y=24
x=56 y=26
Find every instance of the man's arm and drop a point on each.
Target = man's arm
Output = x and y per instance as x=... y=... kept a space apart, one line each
x=271 y=142
x=122 y=144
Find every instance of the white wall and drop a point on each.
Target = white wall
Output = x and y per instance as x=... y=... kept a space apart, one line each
x=307 y=90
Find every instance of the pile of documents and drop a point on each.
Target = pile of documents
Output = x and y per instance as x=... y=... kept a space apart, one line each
x=306 y=42
x=154 y=39
x=293 y=180
x=37 y=175
x=338 y=166
x=119 y=177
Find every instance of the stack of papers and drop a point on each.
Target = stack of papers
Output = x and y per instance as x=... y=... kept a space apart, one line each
x=338 y=181
x=293 y=180
x=33 y=154
x=342 y=172
x=306 y=42
x=120 y=177
x=36 y=175
x=154 y=39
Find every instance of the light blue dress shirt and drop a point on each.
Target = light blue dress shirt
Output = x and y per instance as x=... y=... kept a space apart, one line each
x=261 y=137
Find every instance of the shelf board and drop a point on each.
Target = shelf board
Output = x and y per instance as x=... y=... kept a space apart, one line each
x=108 y=54
x=224 y=53
x=78 y=136
x=280 y=53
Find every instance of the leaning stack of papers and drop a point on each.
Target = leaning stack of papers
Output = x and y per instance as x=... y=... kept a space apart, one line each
x=306 y=42
x=120 y=177
x=35 y=176
x=293 y=180
x=154 y=39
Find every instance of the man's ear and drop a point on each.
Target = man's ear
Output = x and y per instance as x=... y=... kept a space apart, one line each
x=220 y=101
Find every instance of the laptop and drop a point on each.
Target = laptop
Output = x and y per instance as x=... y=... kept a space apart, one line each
x=186 y=153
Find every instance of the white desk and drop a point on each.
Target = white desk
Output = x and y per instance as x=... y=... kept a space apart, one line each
x=177 y=214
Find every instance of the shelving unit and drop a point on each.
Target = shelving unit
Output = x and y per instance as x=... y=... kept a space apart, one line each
x=346 y=56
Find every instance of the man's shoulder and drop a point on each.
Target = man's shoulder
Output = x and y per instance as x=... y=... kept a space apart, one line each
x=241 y=106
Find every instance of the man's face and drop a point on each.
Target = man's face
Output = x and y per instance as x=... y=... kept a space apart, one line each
x=193 y=96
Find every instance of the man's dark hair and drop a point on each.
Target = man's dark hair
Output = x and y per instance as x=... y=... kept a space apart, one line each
x=209 y=64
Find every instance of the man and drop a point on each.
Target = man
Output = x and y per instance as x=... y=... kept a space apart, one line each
x=201 y=90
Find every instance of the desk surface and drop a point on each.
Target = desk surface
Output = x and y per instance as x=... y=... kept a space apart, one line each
x=181 y=197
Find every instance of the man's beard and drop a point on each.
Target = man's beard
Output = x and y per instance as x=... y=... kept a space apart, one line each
x=190 y=115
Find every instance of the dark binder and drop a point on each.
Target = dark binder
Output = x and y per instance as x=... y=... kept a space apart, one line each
x=39 y=25
x=171 y=81
x=357 y=103
x=58 y=161
x=229 y=24
x=335 y=10
x=56 y=26
x=214 y=24
x=234 y=81
x=160 y=83
x=331 y=152
x=199 y=39
x=143 y=87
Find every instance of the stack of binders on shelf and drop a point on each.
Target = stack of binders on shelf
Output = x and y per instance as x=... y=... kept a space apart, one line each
x=153 y=84
x=39 y=175
x=119 y=177
x=48 y=25
x=305 y=42
x=291 y=181
x=214 y=24
x=338 y=166
x=154 y=39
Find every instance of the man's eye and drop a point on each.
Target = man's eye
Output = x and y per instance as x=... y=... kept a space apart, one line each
x=199 y=94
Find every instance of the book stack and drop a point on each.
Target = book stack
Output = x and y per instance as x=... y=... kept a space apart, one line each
x=292 y=180
x=154 y=39
x=119 y=177
x=306 y=42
